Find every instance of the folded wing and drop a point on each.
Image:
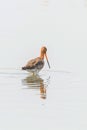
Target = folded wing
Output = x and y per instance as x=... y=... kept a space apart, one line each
x=36 y=63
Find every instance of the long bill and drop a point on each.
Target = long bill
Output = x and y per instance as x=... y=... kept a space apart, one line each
x=47 y=60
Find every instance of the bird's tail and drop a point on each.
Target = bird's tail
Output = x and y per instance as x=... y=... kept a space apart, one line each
x=24 y=68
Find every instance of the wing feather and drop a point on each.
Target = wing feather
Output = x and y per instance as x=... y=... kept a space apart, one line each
x=34 y=63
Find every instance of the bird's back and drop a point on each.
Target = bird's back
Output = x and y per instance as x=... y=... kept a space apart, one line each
x=34 y=65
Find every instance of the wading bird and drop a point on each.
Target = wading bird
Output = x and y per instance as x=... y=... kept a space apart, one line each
x=35 y=65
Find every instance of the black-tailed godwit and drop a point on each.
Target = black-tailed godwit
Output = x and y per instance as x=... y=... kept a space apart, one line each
x=35 y=65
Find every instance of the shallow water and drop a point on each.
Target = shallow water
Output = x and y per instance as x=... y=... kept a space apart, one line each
x=50 y=100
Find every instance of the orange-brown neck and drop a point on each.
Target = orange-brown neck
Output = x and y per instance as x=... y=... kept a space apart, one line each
x=42 y=55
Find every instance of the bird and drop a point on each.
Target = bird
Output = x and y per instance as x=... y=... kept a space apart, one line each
x=35 y=65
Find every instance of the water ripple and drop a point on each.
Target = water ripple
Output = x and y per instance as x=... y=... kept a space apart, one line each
x=37 y=82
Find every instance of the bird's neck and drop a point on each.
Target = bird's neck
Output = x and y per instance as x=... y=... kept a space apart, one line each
x=42 y=56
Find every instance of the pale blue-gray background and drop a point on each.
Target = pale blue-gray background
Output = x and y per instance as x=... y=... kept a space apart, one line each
x=27 y=25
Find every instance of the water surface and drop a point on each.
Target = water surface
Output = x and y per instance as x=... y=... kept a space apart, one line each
x=50 y=100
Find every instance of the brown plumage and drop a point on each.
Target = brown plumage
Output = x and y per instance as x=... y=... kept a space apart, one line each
x=35 y=65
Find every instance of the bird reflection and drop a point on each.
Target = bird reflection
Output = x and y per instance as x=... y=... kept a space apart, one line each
x=36 y=82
